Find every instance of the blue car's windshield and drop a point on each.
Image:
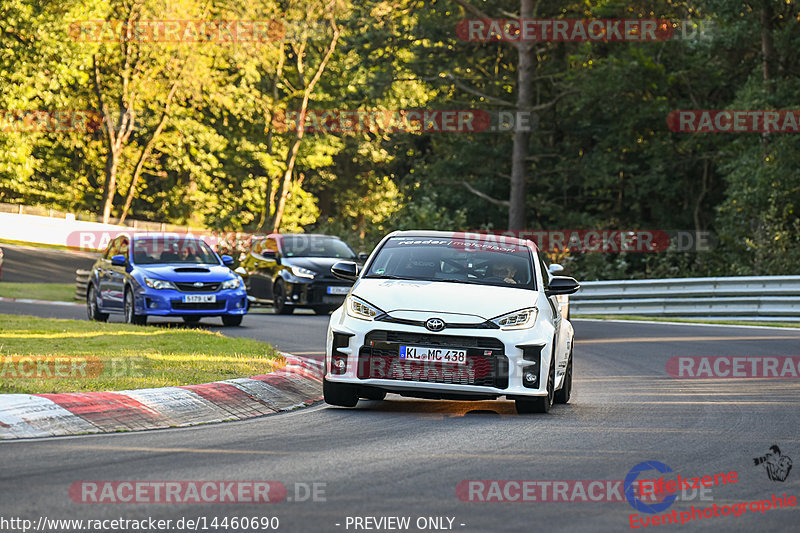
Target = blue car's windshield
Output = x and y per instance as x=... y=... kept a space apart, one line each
x=156 y=250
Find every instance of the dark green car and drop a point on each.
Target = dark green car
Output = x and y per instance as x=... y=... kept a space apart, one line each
x=294 y=271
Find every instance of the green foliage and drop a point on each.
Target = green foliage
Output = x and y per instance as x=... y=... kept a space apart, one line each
x=601 y=156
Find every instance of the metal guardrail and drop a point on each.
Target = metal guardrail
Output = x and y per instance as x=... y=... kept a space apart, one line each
x=775 y=298
x=81 y=283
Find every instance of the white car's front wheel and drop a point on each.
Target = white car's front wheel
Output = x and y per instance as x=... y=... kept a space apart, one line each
x=339 y=394
x=540 y=404
x=562 y=395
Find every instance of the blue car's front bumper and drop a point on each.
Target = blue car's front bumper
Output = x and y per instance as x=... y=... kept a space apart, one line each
x=170 y=302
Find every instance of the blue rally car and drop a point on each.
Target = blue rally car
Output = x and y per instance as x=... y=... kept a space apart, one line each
x=163 y=275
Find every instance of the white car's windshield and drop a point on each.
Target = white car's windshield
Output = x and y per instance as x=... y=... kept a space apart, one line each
x=453 y=260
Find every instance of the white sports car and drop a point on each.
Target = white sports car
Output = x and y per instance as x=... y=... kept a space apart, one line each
x=443 y=316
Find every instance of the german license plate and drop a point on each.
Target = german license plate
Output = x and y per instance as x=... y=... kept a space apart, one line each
x=199 y=298
x=435 y=355
x=338 y=290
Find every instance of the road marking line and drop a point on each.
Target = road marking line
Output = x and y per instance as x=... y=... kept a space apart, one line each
x=47 y=302
x=179 y=450
x=788 y=325
x=686 y=339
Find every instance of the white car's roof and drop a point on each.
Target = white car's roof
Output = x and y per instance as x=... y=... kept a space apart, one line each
x=468 y=235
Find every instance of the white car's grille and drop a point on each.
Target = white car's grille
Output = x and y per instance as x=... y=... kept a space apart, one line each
x=486 y=365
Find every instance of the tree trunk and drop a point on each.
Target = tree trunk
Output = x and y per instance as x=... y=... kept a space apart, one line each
x=698 y=204
x=145 y=153
x=767 y=46
x=116 y=135
x=292 y=156
x=110 y=186
x=525 y=69
x=287 y=180
x=268 y=191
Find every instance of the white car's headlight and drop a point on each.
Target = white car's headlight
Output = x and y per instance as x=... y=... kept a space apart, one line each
x=522 y=319
x=301 y=272
x=358 y=308
x=159 y=284
x=234 y=283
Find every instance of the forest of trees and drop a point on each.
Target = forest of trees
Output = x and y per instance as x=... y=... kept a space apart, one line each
x=194 y=132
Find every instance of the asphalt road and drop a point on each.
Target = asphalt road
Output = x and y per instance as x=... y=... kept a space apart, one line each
x=405 y=457
x=28 y=264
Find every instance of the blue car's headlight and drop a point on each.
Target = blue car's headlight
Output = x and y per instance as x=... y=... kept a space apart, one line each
x=159 y=284
x=234 y=283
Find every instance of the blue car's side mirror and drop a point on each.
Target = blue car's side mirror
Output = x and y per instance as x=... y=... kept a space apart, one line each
x=227 y=260
x=118 y=260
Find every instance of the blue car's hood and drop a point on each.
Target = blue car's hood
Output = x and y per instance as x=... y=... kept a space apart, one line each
x=186 y=272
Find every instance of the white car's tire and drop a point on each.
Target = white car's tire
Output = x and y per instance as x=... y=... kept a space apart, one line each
x=339 y=394
x=562 y=395
x=541 y=404
x=374 y=395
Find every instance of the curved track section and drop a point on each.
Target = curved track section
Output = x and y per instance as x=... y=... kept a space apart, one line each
x=407 y=458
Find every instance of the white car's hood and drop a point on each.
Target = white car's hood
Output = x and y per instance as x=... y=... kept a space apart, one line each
x=483 y=301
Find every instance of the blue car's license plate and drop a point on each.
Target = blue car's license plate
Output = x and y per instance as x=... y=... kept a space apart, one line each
x=200 y=298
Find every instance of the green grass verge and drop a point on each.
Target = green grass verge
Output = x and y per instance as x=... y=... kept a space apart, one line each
x=58 y=292
x=693 y=320
x=79 y=356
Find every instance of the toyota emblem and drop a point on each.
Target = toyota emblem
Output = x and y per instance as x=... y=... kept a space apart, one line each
x=435 y=324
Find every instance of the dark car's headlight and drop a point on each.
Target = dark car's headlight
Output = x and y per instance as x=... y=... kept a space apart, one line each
x=522 y=319
x=234 y=283
x=301 y=272
x=358 y=308
x=159 y=284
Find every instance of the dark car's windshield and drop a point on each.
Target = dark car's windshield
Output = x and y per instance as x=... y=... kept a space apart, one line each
x=158 y=250
x=312 y=246
x=454 y=260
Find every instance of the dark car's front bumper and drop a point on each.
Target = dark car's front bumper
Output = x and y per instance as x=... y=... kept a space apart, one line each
x=317 y=293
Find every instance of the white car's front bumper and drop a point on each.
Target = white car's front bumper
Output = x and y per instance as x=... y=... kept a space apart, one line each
x=524 y=350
